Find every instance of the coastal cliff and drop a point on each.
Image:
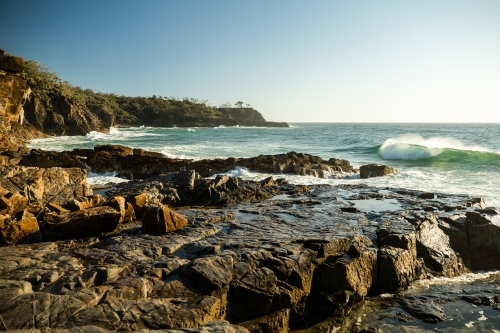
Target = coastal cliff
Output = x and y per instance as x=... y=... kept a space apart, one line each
x=33 y=96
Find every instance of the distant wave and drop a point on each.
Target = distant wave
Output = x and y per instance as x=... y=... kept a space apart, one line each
x=414 y=147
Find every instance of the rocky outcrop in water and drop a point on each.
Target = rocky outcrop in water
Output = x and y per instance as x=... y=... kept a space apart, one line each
x=375 y=170
x=137 y=163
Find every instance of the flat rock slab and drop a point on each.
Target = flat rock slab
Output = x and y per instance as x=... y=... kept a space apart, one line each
x=266 y=263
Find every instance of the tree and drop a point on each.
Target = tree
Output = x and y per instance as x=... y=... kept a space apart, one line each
x=247 y=105
x=240 y=103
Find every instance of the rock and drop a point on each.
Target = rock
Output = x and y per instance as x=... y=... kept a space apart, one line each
x=375 y=170
x=50 y=159
x=17 y=204
x=10 y=290
x=425 y=310
x=56 y=208
x=23 y=230
x=274 y=322
x=118 y=204
x=14 y=92
x=258 y=288
x=86 y=202
x=269 y=181
x=85 y=223
x=39 y=185
x=483 y=231
x=426 y=195
x=356 y=272
x=115 y=150
x=269 y=266
x=160 y=220
x=454 y=228
x=433 y=246
x=64 y=117
x=142 y=165
x=5 y=205
x=129 y=213
x=138 y=203
x=211 y=273
x=397 y=257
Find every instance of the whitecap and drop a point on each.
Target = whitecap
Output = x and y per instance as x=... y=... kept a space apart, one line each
x=415 y=147
x=165 y=152
x=104 y=178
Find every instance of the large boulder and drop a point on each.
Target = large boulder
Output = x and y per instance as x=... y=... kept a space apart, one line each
x=39 y=185
x=159 y=220
x=483 y=230
x=84 y=223
x=397 y=256
x=375 y=170
x=433 y=246
x=20 y=230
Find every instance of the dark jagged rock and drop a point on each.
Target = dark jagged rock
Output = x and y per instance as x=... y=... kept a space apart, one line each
x=63 y=117
x=375 y=170
x=42 y=185
x=483 y=235
x=426 y=310
x=137 y=165
x=21 y=229
x=48 y=159
x=85 y=223
x=160 y=220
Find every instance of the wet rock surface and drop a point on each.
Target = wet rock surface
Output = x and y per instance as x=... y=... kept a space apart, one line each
x=468 y=303
x=375 y=170
x=139 y=164
x=283 y=257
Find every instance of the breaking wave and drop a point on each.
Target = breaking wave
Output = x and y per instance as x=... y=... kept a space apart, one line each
x=414 y=147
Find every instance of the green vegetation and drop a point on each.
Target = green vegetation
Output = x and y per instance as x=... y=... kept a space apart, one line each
x=155 y=110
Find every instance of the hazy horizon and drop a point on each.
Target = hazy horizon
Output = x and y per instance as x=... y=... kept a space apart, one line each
x=321 y=61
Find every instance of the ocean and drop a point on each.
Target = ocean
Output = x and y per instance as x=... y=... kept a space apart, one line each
x=449 y=158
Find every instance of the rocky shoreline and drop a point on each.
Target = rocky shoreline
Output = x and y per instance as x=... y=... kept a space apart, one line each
x=177 y=250
x=182 y=247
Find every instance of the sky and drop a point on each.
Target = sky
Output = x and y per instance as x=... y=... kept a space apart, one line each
x=295 y=61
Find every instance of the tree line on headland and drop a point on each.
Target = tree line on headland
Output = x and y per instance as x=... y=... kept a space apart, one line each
x=118 y=110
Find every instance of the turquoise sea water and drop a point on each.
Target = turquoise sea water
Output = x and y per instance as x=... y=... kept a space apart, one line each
x=451 y=158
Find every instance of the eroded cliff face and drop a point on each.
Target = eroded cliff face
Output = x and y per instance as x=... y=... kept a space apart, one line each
x=13 y=92
x=63 y=117
x=58 y=115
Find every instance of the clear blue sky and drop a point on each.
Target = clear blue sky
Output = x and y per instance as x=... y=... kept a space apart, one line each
x=373 y=61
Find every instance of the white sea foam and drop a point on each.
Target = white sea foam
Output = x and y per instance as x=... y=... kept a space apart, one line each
x=415 y=147
x=98 y=135
x=104 y=178
x=165 y=152
x=462 y=279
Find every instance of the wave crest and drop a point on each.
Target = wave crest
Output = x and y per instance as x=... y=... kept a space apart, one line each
x=414 y=147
